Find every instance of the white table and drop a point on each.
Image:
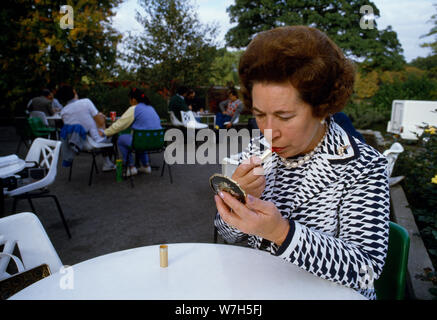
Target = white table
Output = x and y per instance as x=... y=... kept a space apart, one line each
x=7 y=171
x=195 y=271
x=11 y=169
x=205 y=115
x=56 y=116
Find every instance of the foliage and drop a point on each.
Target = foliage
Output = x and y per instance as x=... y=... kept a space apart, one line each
x=175 y=46
x=371 y=104
x=339 y=19
x=36 y=51
x=418 y=163
x=366 y=85
x=429 y=64
x=432 y=32
x=108 y=97
x=413 y=88
x=225 y=68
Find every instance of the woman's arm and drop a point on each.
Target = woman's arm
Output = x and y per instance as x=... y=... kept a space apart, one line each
x=124 y=122
x=356 y=257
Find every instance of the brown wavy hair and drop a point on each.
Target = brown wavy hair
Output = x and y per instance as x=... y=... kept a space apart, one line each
x=304 y=57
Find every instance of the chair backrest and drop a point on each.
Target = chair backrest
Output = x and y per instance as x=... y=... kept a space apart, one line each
x=41 y=115
x=185 y=116
x=34 y=245
x=391 y=155
x=148 y=140
x=45 y=152
x=37 y=127
x=391 y=283
x=175 y=121
x=190 y=121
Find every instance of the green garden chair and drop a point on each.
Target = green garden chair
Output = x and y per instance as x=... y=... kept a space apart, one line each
x=150 y=141
x=38 y=129
x=391 y=283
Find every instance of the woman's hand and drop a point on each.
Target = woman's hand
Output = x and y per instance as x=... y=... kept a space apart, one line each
x=249 y=175
x=256 y=217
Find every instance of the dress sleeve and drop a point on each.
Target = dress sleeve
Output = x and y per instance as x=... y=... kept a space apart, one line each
x=356 y=256
x=124 y=122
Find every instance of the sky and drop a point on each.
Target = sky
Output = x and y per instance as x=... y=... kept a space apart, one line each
x=409 y=18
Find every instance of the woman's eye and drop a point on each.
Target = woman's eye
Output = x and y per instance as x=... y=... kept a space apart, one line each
x=285 y=117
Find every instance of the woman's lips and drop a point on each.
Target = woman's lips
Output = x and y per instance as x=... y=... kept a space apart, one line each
x=277 y=149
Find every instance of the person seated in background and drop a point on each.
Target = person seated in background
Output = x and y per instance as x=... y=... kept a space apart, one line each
x=194 y=103
x=178 y=103
x=83 y=112
x=42 y=103
x=141 y=116
x=56 y=105
x=229 y=110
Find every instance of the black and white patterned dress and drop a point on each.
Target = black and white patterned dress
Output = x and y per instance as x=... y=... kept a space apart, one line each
x=338 y=207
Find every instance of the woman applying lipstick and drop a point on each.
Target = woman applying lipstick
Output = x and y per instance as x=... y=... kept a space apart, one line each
x=323 y=203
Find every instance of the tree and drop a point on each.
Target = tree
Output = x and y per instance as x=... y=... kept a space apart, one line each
x=225 y=67
x=175 y=46
x=37 y=50
x=432 y=32
x=340 y=19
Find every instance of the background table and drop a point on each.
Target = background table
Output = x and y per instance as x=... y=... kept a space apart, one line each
x=195 y=271
x=5 y=172
x=208 y=116
x=11 y=169
x=56 y=116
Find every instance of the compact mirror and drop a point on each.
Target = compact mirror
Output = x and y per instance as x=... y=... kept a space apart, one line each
x=219 y=182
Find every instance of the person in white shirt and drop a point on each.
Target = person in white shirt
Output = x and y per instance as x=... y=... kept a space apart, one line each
x=84 y=112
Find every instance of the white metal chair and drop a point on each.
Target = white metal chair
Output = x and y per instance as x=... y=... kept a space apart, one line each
x=44 y=153
x=33 y=242
x=175 y=121
x=392 y=155
x=45 y=121
x=190 y=121
x=41 y=115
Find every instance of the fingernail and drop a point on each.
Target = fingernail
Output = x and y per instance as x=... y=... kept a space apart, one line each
x=221 y=195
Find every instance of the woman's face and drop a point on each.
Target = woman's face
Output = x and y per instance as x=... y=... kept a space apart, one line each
x=277 y=106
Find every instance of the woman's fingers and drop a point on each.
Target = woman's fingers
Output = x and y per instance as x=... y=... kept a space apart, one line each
x=260 y=206
x=245 y=167
x=226 y=214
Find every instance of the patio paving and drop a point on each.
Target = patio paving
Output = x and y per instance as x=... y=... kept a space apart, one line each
x=110 y=216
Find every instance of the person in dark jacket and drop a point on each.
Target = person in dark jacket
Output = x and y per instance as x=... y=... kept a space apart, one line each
x=178 y=103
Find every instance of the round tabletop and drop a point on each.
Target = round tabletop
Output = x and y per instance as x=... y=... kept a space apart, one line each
x=12 y=168
x=56 y=116
x=195 y=271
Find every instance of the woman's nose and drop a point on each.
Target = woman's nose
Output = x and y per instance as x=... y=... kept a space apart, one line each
x=271 y=131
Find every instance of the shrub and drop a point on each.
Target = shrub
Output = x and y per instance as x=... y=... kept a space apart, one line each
x=418 y=163
x=109 y=98
x=376 y=111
